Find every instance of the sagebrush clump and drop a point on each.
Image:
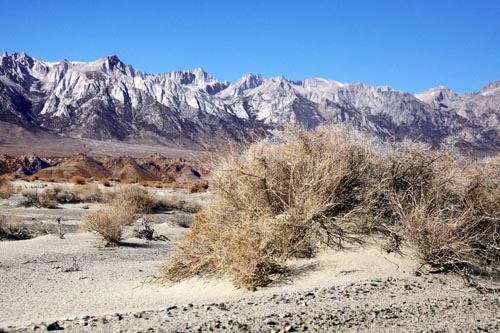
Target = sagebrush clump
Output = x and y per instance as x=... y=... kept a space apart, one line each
x=13 y=228
x=6 y=189
x=78 y=180
x=291 y=195
x=280 y=199
x=128 y=203
x=109 y=222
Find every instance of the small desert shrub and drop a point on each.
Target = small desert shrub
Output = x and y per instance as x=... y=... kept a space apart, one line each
x=145 y=230
x=178 y=203
x=13 y=228
x=90 y=193
x=137 y=199
x=198 y=187
x=38 y=198
x=109 y=222
x=78 y=180
x=142 y=201
x=105 y=182
x=129 y=201
x=6 y=189
x=50 y=197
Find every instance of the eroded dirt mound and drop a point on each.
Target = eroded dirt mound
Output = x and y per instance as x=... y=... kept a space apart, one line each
x=79 y=165
x=24 y=165
x=127 y=169
x=176 y=170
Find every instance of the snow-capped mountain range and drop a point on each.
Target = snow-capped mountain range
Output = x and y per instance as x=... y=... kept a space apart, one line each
x=109 y=100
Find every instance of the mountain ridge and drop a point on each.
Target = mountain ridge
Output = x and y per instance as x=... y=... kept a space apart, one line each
x=109 y=100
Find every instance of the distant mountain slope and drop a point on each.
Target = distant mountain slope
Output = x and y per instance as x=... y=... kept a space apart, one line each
x=108 y=100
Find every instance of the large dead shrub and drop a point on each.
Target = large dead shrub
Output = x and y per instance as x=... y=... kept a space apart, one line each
x=282 y=198
x=288 y=196
x=455 y=224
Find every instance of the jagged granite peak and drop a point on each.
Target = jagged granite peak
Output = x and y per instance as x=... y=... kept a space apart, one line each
x=198 y=77
x=109 y=63
x=248 y=81
x=439 y=97
x=492 y=87
x=107 y=99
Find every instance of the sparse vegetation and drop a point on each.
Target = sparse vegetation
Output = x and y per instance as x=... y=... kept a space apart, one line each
x=128 y=202
x=138 y=200
x=290 y=196
x=78 y=180
x=6 y=188
x=38 y=198
x=109 y=222
x=198 y=187
x=52 y=196
x=146 y=231
x=13 y=228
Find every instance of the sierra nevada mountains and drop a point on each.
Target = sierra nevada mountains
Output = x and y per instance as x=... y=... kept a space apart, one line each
x=109 y=100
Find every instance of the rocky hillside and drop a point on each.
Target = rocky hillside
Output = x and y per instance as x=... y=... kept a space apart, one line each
x=109 y=100
x=155 y=168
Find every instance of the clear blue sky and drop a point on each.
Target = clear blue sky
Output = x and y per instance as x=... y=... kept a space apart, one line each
x=410 y=45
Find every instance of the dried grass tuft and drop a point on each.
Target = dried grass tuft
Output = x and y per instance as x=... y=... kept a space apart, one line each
x=128 y=203
x=109 y=222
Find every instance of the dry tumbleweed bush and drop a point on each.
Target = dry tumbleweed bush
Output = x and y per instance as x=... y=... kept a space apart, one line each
x=122 y=211
x=6 y=189
x=288 y=196
x=129 y=201
x=280 y=199
x=109 y=222
x=13 y=228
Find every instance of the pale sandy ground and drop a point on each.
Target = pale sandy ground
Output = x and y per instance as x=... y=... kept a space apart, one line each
x=34 y=288
x=114 y=290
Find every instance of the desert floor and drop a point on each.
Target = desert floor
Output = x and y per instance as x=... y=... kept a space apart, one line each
x=71 y=283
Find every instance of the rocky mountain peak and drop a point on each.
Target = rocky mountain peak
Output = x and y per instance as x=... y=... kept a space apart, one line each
x=437 y=96
x=250 y=81
x=491 y=86
x=110 y=63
